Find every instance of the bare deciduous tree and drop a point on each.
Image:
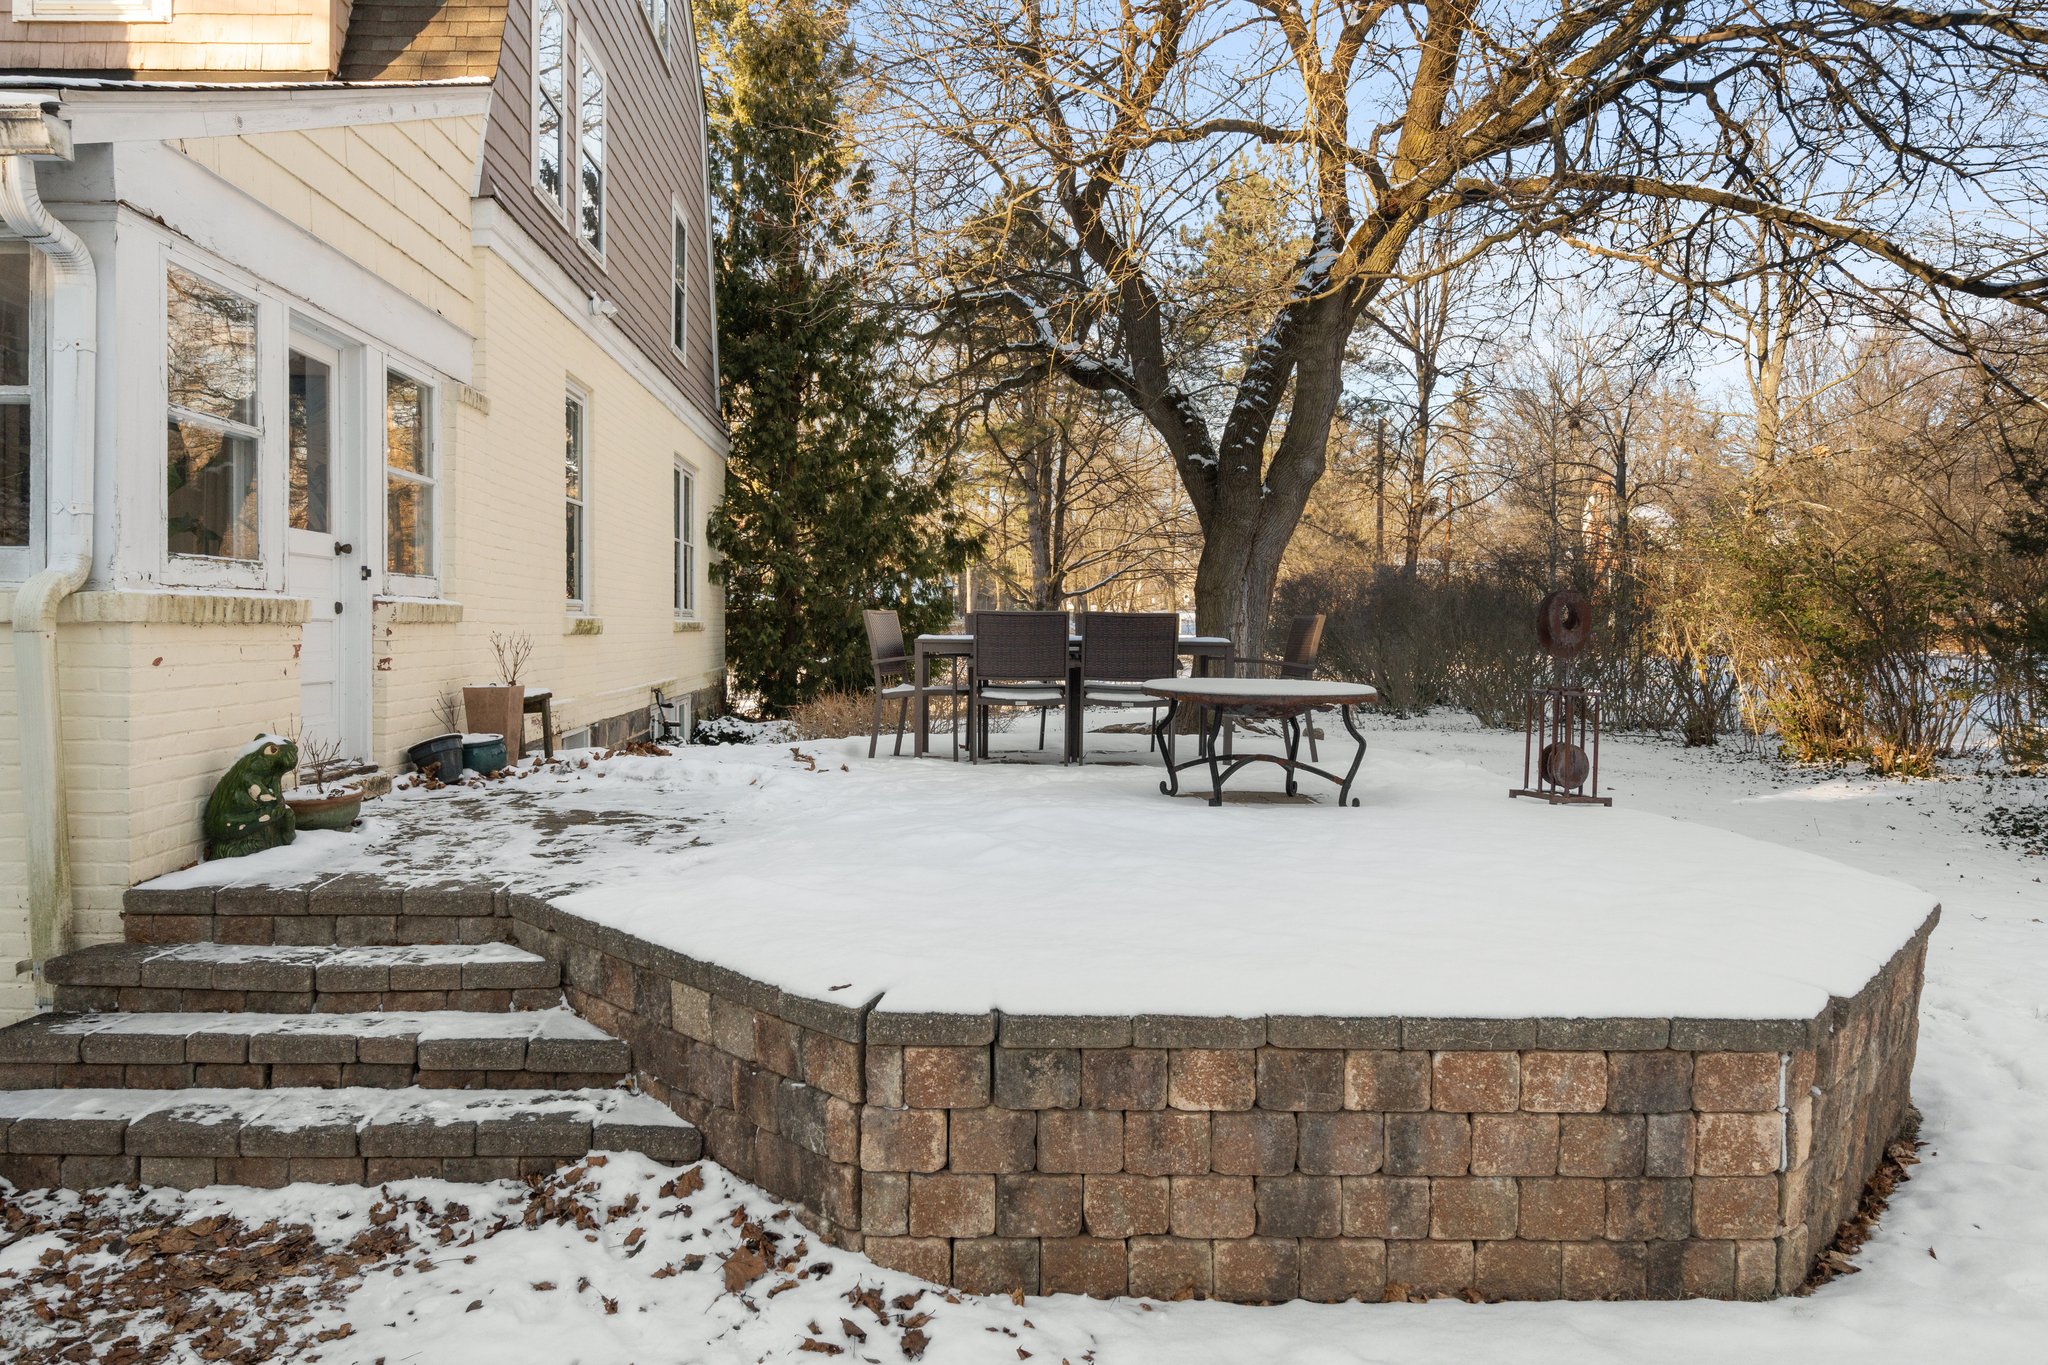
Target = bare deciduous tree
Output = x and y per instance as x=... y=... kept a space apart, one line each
x=1626 y=122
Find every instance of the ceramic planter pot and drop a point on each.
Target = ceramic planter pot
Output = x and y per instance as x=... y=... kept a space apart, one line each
x=485 y=753
x=324 y=810
x=497 y=710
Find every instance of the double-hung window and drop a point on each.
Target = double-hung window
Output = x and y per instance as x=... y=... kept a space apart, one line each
x=686 y=543
x=214 y=434
x=550 y=111
x=576 y=433
x=590 y=182
x=17 y=417
x=410 y=476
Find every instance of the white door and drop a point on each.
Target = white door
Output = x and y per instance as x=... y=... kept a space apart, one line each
x=323 y=558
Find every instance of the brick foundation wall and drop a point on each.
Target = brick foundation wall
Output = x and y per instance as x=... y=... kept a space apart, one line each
x=1270 y=1159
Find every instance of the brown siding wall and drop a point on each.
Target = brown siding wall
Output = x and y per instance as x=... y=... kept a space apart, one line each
x=654 y=155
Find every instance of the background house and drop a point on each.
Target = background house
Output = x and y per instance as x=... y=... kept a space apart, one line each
x=333 y=339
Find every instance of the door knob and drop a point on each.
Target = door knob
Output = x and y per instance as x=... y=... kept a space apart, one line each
x=342 y=547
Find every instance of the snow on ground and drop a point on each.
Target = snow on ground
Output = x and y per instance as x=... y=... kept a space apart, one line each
x=953 y=887
x=1957 y=1270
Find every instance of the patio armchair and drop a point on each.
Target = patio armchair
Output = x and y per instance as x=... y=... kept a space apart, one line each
x=895 y=680
x=1304 y=648
x=1020 y=659
x=1122 y=649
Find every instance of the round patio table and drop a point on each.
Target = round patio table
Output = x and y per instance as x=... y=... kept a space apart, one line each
x=1286 y=700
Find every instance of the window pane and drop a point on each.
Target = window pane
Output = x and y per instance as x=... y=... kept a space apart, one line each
x=14 y=317
x=311 y=391
x=212 y=347
x=590 y=154
x=408 y=444
x=572 y=448
x=547 y=114
x=574 y=587
x=212 y=507
x=409 y=525
x=15 y=509
x=678 y=281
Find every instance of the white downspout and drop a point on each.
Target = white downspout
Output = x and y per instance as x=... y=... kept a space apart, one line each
x=66 y=415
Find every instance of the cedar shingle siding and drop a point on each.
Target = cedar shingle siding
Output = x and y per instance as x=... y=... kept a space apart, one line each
x=423 y=40
x=654 y=157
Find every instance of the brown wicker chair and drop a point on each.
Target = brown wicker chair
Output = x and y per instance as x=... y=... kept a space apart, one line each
x=1304 y=648
x=895 y=680
x=1120 y=649
x=1020 y=659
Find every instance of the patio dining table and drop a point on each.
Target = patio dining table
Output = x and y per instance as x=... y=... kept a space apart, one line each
x=1286 y=700
x=1205 y=652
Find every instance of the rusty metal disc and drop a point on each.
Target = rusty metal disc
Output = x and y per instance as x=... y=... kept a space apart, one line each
x=1565 y=765
x=1564 y=624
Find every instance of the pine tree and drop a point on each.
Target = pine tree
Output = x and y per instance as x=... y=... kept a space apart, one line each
x=831 y=504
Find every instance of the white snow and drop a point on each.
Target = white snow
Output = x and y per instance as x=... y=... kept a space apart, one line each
x=1033 y=888
x=356 y=1105
x=1958 y=1268
x=558 y=1024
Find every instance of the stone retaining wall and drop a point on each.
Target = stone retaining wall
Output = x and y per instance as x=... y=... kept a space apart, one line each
x=1277 y=1158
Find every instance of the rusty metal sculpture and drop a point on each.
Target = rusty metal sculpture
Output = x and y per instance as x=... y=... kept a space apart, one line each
x=1563 y=718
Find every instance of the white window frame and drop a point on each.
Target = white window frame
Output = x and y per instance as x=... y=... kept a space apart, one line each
x=93 y=11
x=401 y=584
x=578 y=603
x=684 y=517
x=679 y=281
x=561 y=206
x=266 y=571
x=587 y=54
x=662 y=29
x=18 y=562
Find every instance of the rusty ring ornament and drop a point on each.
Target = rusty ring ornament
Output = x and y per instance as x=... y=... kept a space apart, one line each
x=1564 y=624
x=1565 y=765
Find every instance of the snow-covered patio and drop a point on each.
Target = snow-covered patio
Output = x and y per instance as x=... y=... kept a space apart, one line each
x=1957 y=1259
x=1033 y=888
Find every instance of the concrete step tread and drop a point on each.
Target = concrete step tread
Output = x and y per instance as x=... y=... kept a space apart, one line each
x=555 y=1041
x=559 y=1023
x=341 y=1123
x=232 y=966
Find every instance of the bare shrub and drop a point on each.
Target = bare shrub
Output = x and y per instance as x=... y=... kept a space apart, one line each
x=512 y=651
x=845 y=715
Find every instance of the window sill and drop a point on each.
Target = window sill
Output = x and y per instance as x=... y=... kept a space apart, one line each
x=582 y=625
x=690 y=624
x=416 y=611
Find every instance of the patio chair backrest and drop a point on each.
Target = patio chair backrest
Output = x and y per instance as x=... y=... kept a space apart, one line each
x=1129 y=646
x=885 y=643
x=1304 y=647
x=1019 y=646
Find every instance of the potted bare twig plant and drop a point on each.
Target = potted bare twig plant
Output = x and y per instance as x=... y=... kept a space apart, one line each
x=500 y=708
x=324 y=798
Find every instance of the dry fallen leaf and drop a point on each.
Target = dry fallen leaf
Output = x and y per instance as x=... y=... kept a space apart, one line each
x=743 y=1267
x=914 y=1343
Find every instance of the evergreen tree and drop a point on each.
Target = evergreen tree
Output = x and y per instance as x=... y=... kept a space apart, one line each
x=831 y=501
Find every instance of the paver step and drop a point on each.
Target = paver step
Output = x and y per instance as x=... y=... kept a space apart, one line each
x=95 y=1137
x=288 y=980
x=440 y=1049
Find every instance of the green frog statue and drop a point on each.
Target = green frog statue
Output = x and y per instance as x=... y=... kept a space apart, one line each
x=247 y=813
